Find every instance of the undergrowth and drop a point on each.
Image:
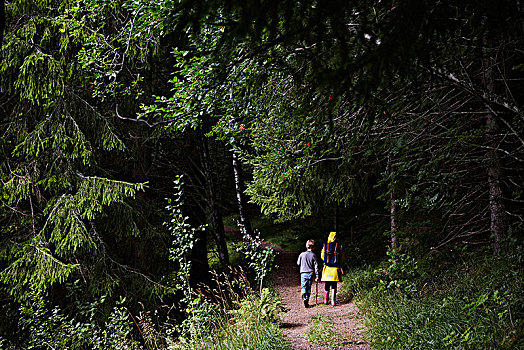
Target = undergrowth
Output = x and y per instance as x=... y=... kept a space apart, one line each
x=244 y=320
x=453 y=301
x=253 y=325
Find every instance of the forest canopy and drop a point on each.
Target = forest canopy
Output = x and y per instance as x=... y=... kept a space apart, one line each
x=132 y=130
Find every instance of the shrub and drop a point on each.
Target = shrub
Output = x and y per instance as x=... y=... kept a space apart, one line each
x=53 y=329
x=259 y=259
x=359 y=281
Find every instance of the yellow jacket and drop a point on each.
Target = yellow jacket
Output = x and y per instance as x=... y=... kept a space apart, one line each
x=329 y=273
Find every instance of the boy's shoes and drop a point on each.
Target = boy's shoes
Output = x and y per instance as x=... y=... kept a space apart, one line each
x=306 y=300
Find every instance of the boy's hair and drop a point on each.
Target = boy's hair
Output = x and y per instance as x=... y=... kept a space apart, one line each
x=310 y=244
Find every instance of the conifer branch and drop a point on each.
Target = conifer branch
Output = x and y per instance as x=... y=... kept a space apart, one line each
x=486 y=96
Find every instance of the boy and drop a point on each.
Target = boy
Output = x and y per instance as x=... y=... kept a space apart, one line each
x=308 y=267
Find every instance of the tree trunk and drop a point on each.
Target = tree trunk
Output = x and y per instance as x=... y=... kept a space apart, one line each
x=336 y=218
x=393 y=210
x=241 y=198
x=199 y=272
x=393 y=217
x=498 y=219
x=214 y=205
x=2 y=22
x=195 y=209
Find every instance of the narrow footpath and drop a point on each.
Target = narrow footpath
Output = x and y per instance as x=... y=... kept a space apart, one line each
x=345 y=315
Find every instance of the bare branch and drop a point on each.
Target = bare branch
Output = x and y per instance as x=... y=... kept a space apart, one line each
x=151 y=125
x=486 y=96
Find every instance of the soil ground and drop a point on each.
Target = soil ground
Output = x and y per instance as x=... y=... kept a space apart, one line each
x=297 y=320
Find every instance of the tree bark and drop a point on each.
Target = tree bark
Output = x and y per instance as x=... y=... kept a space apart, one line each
x=392 y=211
x=214 y=205
x=195 y=209
x=393 y=217
x=199 y=272
x=241 y=198
x=336 y=218
x=2 y=21
x=498 y=219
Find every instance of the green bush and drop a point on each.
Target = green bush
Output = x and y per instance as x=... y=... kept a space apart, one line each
x=358 y=281
x=251 y=324
x=53 y=329
x=258 y=258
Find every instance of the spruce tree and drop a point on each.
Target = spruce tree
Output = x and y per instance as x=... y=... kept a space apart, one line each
x=54 y=193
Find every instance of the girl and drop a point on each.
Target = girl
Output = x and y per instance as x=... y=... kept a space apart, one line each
x=331 y=256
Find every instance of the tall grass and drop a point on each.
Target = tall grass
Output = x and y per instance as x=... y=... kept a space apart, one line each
x=437 y=323
x=474 y=304
x=253 y=325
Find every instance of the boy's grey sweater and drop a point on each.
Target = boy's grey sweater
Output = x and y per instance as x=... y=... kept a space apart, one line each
x=308 y=262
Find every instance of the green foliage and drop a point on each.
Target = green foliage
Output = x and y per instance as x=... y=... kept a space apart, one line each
x=54 y=329
x=33 y=264
x=235 y=257
x=259 y=259
x=399 y=273
x=473 y=305
x=200 y=324
x=250 y=325
x=116 y=35
x=195 y=94
x=57 y=188
x=192 y=98
x=439 y=323
x=245 y=321
x=267 y=305
x=183 y=236
x=360 y=281
x=295 y=177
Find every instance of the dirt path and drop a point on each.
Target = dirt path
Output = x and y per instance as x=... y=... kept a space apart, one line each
x=345 y=315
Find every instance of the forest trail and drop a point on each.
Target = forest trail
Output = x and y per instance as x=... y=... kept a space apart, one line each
x=297 y=320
